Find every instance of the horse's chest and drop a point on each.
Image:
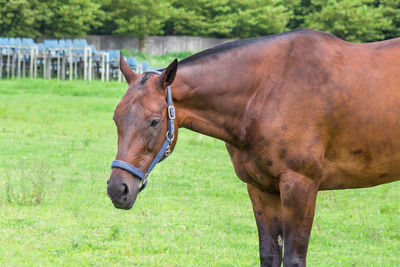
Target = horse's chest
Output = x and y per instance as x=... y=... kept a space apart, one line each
x=248 y=170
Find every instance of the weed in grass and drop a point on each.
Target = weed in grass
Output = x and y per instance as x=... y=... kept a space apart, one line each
x=3 y=112
x=75 y=241
x=27 y=185
x=75 y=209
x=86 y=141
x=114 y=232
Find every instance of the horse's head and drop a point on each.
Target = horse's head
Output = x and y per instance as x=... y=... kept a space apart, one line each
x=142 y=119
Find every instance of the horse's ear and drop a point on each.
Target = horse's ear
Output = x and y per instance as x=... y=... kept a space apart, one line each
x=129 y=75
x=168 y=75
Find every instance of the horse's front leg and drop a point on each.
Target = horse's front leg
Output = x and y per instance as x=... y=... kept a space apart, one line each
x=268 y=215
x=298 y=197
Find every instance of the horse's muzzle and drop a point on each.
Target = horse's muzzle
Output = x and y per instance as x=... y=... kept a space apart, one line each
x=122 y=190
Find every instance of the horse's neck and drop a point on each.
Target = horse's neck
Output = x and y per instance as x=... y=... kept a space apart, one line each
x=211 y=100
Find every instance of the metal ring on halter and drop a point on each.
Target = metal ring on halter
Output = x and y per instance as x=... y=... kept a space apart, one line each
x=170 y=137
x=144 y=183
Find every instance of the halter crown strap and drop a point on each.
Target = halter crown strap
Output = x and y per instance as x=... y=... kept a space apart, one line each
x=164 y=150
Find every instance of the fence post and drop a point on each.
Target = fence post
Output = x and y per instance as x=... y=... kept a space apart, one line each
x=44 y=64
x=58 y=63
x=1 y=62
x=90 y=64
x=23 y=65
x=103 y=66
x=108 y=67
x=14 y=58
x=8 y=62
x=49 y=67
x=84 y=64
x=76 y=70
x=70 y=64
x=19 y=63
x=35 y=61
x=31 y=63
x=63 y=66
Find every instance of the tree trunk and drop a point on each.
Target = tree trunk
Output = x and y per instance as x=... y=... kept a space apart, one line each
x=142 y=43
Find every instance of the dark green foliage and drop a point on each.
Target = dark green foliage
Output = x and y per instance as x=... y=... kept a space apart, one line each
x=17 y=18
x=203 y=17
x=57 y=18
x=232 y=19
x=70 y=17
x=137 y=17
x=352 y=20
x=391 y=9
x=260 y=17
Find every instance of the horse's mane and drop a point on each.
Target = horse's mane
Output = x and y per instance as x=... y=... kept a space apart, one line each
x=236 y=44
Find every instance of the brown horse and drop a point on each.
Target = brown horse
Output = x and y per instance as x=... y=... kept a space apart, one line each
x=300 y=112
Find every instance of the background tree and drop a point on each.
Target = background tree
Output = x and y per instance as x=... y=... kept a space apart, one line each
x=300 y=10
x=352 y=20
x=203 y=17
x=260 y=17
x=17 y=18
x=391 y=10
x=69 y=18
x=139 y=18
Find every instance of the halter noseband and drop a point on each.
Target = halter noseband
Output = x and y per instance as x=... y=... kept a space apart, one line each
x=165 y=150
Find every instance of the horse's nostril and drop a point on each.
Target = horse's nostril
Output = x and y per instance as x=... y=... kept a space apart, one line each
x=108 y=181
x=126 y=190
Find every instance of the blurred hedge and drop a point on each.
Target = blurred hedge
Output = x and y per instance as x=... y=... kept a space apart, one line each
x=352 y=20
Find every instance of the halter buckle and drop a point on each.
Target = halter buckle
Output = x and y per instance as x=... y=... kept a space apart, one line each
x=171 y=112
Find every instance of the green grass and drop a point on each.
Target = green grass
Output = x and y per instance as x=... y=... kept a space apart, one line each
x=57 y=140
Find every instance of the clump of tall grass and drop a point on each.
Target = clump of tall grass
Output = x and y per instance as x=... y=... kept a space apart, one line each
x=26 y=185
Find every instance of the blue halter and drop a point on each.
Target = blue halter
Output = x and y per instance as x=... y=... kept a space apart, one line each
x=165 y=150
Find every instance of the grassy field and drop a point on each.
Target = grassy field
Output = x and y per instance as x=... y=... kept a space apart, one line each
x=57 y=140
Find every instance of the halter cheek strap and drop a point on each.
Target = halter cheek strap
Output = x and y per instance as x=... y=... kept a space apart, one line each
x=165 y=149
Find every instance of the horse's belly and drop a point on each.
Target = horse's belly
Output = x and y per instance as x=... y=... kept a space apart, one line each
x=363 y=149
x=359 y=169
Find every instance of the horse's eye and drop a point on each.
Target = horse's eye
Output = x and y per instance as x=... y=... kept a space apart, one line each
x=154 y=123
